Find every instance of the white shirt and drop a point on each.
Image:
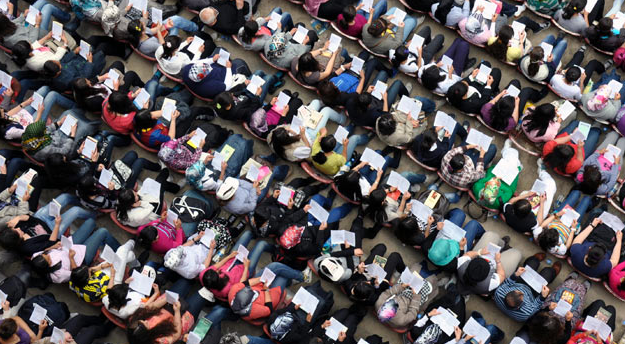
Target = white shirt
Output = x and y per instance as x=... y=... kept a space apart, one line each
x=302 y=152
x=193 y=262
x=444 y=85
x=133 y=303
x=565 y=90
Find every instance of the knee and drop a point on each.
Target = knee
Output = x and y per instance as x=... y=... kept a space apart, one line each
x=379 y=248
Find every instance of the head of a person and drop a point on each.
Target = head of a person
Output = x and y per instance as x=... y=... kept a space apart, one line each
x=21 y=50
x=125 y=202
x=548 y=238
x=214 y=280
x=208 y=16
x=7 y=27
x=327 y=144
x=349 y=14
x=559 y=157
x=362 y=290
x=544 y=328
x=83 y=89
x=307 y=63
x=501 y=112
x=11 y=238
x=363 y=101
x=377 y=27
x=141 y=332
x=8 y=328
x=261 y=217
x=280 y=138
x=135 y=30
x=537 y=56
x=227 y=189
x=540 y=118
x=143 y=120
x=401 y=55
x=457 y=92
x=80 y=276
x=431 y=77
x=250 y=28
x=377 y=198
x=57 y=166
x=605 y=26
x=476 y=272
x=591 y=180
x=444 y=7
x=572 y=74
x=171 y=45
x=514 y=299
x=51 y=69
x=331 y=269
x=573 y=7
x=386 y=124
x=407 y=227
x=348 y=180
x=119 y=102
x=223 y=102
x=499 y=48
x=328 y=92
x=456 y=164
x=147 y=236
x=87 y=187
x=595 y=255
x=521 y=208
x=41 y=264
x=118 y=295
x=428 y=139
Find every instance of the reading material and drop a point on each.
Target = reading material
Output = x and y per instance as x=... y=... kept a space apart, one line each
x=444 y=120
x=397 y=180
x=318 y=212
x=224 y=56
x=141 y=283
x=473 y=328
x=533 y=279
x=300 y=34
x=420 y=210
x=379 y=89
x=68 y=124
x=476 y=137
x=307 y=301
x=375 y=160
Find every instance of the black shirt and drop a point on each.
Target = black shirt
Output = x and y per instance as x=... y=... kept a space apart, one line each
x=521 y=225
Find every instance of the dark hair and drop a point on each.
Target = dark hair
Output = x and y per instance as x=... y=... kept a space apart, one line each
x=548 y=238
x=443 y=9
x=375 y=202
x=591 y=180
x=80 y=276
x=349 y=13
x=213 y=280
x=8 y=328
x=307 y=63
x=501 y=112
x=499 y=48
x=572 y=74
x=573 y=7
x=431 y=77
x=281 y=138
x=456 y=163
x=87 y=187
x=7 y=28
x=118 y=295
x=82 y=91
x=362 y=290
x=621 y=286
x=539 y=118
x=456 y=93
x=9 y=239
x=406 y=229
x=143 y=120
x=348 y=184
x=401 y=55
x=544 y=328
x=59 y=169
x=125 y=200
x=514 y=299
x=171 y=44
x=135 y=29
x=119 y=102
x=21 y=52
x=41 y=265
x=222 y=101
x=595 y=255
x=537 y=56
x=605 y=26
x=147 y=236
x=260 y=217
x=363 y=101
x=428 y=139
x=327 y=143
x=250 y=28
x=137 y=333
x=559 y=157
x=521 y=208
x=377 y=27
x=386 y=124
x=51 y=69
x=328 y=92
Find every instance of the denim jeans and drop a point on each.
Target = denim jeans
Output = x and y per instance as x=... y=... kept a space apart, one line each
x=572 y=199
x=181 y=23
x=49 y=99
x=591 y=141
x=336 y=214
x=48 y=10
x=84 y=126
x=475 y=153
x=286 y=23
x=474 y=230
x=616 y=6
x=68 y=217
x=243 y=150
x=456 y=216
x=284 y=275
x=379 y=8
x=496 y=334
x=85 y=235
x=155 y=89
x=195 y=301
x=396 y=89
x=258 y=340
x=414 y=178
x=327 y=113
x=279 y=173
x=255 y=254
x=270 y=79
x=410 y=23
x=220 y=313
x=354 y=141
x=559 y=47
x=136 y=164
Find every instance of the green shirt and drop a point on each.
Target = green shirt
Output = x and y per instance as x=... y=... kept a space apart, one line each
x=334 y=161
x=545 y=6
x=505 y=191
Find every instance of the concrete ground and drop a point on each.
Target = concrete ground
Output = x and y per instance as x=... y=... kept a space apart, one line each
x=370 y=325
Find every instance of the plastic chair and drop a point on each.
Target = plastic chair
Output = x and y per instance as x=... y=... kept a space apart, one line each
x=172 y=78
x=489 y=210
x=236 y=40
x=336 y=28
x=594 y=279
x=6 y=50
x=615 y=128
x=481 y=120
x=149 y=58
x=114 y=319
x=249 y=130
x=268 y=334
x=424 y=166
x=448 y=183
x=264 y=58
x=196 y=95
x=297 y=2
x=345 y=198
x=128 y=229
x=514 y=137
x=306 y=86
x=140 y=144
x=362 y=44
x=311 y=264
x=192 y=11
x=556 y=24
x=14 y=144
x=607 y=287
x=308 y=168
x=573 y=101
x=542 y=15
x=33 y=160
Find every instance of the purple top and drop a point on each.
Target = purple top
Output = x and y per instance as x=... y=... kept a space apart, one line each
x=486 y=109
x=24 y=337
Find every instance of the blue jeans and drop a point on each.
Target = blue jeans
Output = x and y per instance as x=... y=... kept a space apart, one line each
x=327 y=113
x=559 y=47
x=48 y=10
x=155 y=89
x=220 y=313
x=195 y=301
x=456 y=216
x=286 y=23
x=370 y=174
x=181 y=23
x=53 y=97
x=572 y=199
x=396 y=89
x=284 y=275
x=85 y=235
x=84 y=127
x=258 y=340
x=279 y=173
x=255 y=254
x=496 y=334
x=243 y=150
x=410 y=23
x=336 y=214
x=378 y=9
x=616 y=6
x=474 y=154
x=269 y=81
x=68 y=217
x=474 y=230
x=15 y=163
x=414 y=178
x=591 y=141
x=354 y=141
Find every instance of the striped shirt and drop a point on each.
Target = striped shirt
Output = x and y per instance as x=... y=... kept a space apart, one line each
x=530 y=305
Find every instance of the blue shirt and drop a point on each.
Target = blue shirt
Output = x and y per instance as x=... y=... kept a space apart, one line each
x=530 y=305
x=578 y=253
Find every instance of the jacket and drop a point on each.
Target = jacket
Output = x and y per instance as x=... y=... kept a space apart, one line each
x=258 y=42
x=168 y=236
x=505 y=191
x=312 y=238
x=610 y=43
x=174 y=64
x=144 y=213
x=244 y=199
x=244 y=106
x=408 y=308
x=211 y=85
x=75 y=66
x=292 y=50
x=469 y=173
x=545 y=70
x=608 y=113
x=60 y=143
x=9 y=211
x=474 y=103
x=404 y=131
x=573 y=165
x=609 y=172
x=384 y=43
x=41 y=55
x=229 y=19
x=432 y=158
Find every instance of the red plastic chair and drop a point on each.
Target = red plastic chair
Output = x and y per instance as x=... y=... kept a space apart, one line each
x=264 y=58
x=309 y=87
x=336 y=28
x=149 y=58
x=481 y=120
x=573 y=101
x=196 y=95
x=514 y=137
x=362 y=44
x=414 y=158
x=259 y=322
x=128 y=229
x=594 y=279
x=614 y=201
x=308 y=168
x=345 y=198
x=311 y=264
x=115 y=320
x=172 y=78
x=615 y=128
x=448 y=183
x=555 y=23
x=607 y=287
x=33 y=160
x=140 y=144
x=6 y=50
x=14 y=143
x=474 y=199
x=236 y=40
x=249 y=130
x=192 y=11
x=542 y=15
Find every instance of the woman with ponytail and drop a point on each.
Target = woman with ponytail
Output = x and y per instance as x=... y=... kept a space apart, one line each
x=446 y=12
x=256 y=33
x=502 y=112
x=534 y=66
x=574 y=18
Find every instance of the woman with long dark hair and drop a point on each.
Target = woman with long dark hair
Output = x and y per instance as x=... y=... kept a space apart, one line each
x=438 y=78
x=288 y=144
x=448 y=13
x=603 y=37
x=353 y=18
x=255 y=34
x=541 y=123
x=599 y=172
x=566 y=157
x=574 y=18
x=502 y=112
x=540 y=68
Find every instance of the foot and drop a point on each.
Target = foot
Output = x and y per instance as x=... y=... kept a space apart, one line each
x=543 y=26
x=543 y=92
x=587 y=285
x=572 y=275
x=583 y=48
x=506 y=243
x=557 y=266
x=470 y=63
x=387 y=150
x=409 y=87
x=420 y=20
x=231 y=220
x=540 y=256
x=541 y=165
x=608 y=63
x=414 y=189
x=295 y=95
x=466 y=125
x=507 y=144
x=273 y=88
x=560 y=36
x=307 y=273
x=519 y=10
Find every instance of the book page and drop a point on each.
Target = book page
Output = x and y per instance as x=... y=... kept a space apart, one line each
x=533 y=279
x=141 y=283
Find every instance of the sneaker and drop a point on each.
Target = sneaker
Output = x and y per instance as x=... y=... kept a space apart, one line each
x=469 y=64
x=519 y=10
x=541 y=166
x=466 y=125
x=409 y=87
x=608 y=63
x=543 y=26
x=587 y=285
x=420 y=20
x=307 y=275
x=506 y=243
x=507 y=144
x=583 y=48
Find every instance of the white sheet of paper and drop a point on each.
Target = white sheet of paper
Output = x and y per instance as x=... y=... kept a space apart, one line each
x=406 y=105
x=562 y=308
x=444 y=120
x=218 y=158
x=150 y=187
x=4 y=5
x=224 y=56
x=615 y=87
x=473 y=328
x=3 y=297
x=492 y=251
x=569 y=216
x=285 y=195
x=518 y=28
x=296 y=124
x=207 y=238
x=367 y=4
x=484 y=72
x=397 y=180
x=451 y=231
x=141 y=5
x=195 y=45
x=90 y=146
x=379 y=88
x=307 y=301
x=335 y=42
x=420 y=210
x=350 y=237
x=198 y=137
x=242 y=253
x=157 y=15
x=3 y=160
x=252 y=173
x=193 y=338
x=274 y=19
x=533 y=279
x=362 y=341
x=619 y=20
x=141 y=99
x=105 y=177
x=476 y=137
x=375 y=160
x=539 y=187
x=489 y=8
x=168 y=109
x=22 y=187
x=415 y=43
x=68 y=123
x=171 y=297
x=283 y=100
x=565 y=110
x=612 y=221
x=357 y=64
x=413 y=279
x=547 y=49
x=592 y=323
x=141 y=283
x=398 y=17
x=66 y=243
x=5 y=79
x=108 y=254
x=267 y=277
x=506 y=170
x=58 y=335
x=112 y=76
x=85 y=48
x=54 y=208
x=447 y=62
x=513 y=91
x=612 y=152
x=341 y=133
x=337 y=237
x=590 y=4
x=31 y=18
x=300 y=34
x=376 y=272
x=255 y=82
x=445 y=320
x=171 y=217
x=318 y=212
x=57 y=30
x=39 y=313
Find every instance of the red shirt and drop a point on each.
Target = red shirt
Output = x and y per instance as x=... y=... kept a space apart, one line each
x=123 y=124
x=259 y=309
x=573 y=165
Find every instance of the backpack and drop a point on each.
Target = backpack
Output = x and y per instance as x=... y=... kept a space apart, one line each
x=190 y=209
x=258 y=122
x=291 y=237
x=223 y=240
x=346 y=82
x=58 y=313
x=14 y=288
x=216 y=135
x=281 y=325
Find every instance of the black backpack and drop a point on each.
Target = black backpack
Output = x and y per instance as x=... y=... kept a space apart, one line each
x=14 y=288
x=58 y=313
x=216 y=135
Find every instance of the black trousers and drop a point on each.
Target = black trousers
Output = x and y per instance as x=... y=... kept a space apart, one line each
x=394 y=262
x=594 y=307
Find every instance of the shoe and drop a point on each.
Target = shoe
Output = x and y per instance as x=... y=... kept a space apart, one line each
x=280 y=75
x=414 y=189
x=583 y=48
x=307 y=273
x=466 y=125
x=409 y=87
x=157 y=75
x=231 y=220
x=543 y=26
x=540 y=256
x=387 y=150
x=557 y=266
x=572 y=275
x=587 y=285
x=420 y=21
x=295 y=95
x=506 y=243
x=507 y=144
x=272 y=89
x=541 y=166
x=608 y=63
x=469 y=64
x=519 y=10
x=560 y=36
x=543 y=92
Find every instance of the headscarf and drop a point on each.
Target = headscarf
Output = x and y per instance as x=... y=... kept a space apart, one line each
x=35 y=137
x=443 y=251
x=599 y=101
x=276 y=46
x=199 y=71
x=110 y=17
x=196 y=174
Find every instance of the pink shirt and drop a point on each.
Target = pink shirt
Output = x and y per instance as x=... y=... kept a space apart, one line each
x=615 y=276
x=63 y=274
x=356 y=29
x=550 y=133
x=168 y=236
x=234 y=277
